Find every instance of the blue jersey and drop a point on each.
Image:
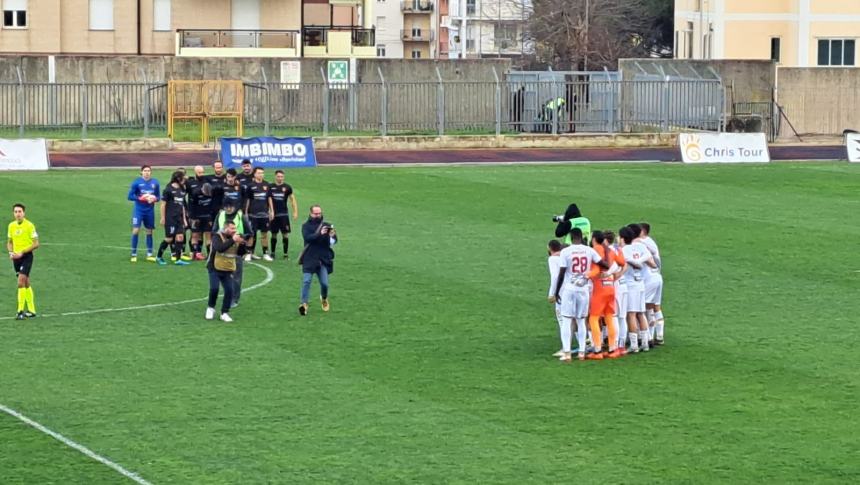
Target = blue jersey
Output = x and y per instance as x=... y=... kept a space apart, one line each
x=141 y=187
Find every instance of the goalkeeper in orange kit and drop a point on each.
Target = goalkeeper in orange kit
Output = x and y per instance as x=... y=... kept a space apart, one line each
x=603 y=299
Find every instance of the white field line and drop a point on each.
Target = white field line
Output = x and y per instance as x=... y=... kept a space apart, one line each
x=270 y=275
x=71 y=444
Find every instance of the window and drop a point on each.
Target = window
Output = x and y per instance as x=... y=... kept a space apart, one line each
x=161 y=15
x=101 y=14
x=416 y=32
x=416 y=54
x=470 y=45
x=470 y=7
x=505 y=35
x=836 y=52
x=775 y=44
x=15 y=13
x=380 y=50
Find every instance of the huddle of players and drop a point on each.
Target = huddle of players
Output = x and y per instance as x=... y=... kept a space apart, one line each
x=194 y=203
x=613 y=281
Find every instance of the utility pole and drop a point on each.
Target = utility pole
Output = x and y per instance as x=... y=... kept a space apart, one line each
x=587 y=19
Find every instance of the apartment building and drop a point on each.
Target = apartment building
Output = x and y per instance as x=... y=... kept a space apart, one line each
x=487 y=28
x=795 y=33
x=409 y=28
x=211 y=28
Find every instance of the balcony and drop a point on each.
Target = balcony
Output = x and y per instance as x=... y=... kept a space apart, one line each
x=417 y=35
x=325 y=41
x=237 y=43
x=416 y=6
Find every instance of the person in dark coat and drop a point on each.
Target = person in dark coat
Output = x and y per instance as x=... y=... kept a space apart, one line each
x=317 y=258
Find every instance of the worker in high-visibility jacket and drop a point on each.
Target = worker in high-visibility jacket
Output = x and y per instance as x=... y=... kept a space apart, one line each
x=552 y=108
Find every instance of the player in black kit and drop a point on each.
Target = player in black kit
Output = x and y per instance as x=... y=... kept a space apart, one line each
x=259 y=209
x=199 y=211
x=173 y=218
x=280 y=193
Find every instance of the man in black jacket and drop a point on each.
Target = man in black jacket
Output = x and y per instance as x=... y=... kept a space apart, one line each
x=317 y=257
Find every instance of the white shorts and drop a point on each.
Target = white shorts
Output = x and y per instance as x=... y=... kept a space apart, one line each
x=654 y=290
x=621 y=300
x=636 y=299
x=574 y=304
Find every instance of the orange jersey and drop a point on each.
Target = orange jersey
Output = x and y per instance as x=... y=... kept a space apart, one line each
x=599 y=278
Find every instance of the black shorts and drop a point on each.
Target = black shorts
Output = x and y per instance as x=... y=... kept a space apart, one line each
x=23 y=265
x=280 y=224
x=260 y=223
x=201 y=224
x=173 y=226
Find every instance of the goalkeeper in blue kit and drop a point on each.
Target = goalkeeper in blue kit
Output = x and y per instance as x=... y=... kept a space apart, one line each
x=144 y=192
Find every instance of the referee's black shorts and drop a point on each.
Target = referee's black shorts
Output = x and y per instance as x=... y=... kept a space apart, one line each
x=23 y=265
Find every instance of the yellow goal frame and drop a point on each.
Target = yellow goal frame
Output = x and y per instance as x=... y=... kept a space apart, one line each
x=205 y=100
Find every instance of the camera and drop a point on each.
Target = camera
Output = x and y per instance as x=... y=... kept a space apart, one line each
x=558 y=218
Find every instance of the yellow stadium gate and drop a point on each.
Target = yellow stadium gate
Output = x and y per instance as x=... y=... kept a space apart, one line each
x=201 y=102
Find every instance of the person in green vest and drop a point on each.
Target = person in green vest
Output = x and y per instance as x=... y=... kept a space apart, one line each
x=232 y=213
x=571 y=219
x=552 y=109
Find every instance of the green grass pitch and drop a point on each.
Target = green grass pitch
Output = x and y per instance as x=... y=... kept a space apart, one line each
x=434 y=365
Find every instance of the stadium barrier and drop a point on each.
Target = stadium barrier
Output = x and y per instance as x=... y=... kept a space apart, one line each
x=141 y=110
x=24 y=154
x=724 y=148
x=852 y=147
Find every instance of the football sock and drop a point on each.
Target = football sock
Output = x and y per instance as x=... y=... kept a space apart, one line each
x=561 y=321
x=643 y=338
x=659 y=326
x=265 y=249
x=612 y=329
x=286 y=242
x=622 y=331
x=178 y=247
x=31 y=300
x=594 y=323
x=22 y=298
x=566 y=335
x=161 y=248
x=135 y=238
x=580 y=334
x=274 y=245
x=634 y=341
x=148 y=244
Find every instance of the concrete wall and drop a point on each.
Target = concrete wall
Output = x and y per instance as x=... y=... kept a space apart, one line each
x=103 y=69
x=753 y=80
x=820 y=101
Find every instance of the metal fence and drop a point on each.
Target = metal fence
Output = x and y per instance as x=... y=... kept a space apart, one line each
x=589 y=104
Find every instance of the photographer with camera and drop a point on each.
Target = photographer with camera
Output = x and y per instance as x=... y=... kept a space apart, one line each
x=571 y=219
x=317 y=258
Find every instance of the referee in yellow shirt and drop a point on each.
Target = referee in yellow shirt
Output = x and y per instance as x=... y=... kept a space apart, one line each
x=21 y=241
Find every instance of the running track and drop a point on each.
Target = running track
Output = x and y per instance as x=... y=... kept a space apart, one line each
x=356 y=157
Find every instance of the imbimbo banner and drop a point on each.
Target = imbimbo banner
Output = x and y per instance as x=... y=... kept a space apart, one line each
x=268 y=152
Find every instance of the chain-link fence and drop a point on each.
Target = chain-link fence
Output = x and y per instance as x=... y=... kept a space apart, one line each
x=514 y=106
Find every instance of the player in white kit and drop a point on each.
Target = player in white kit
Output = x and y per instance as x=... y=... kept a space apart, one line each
x=653 y=286
x=554 y=263
x=572 y=290
x=638 y=260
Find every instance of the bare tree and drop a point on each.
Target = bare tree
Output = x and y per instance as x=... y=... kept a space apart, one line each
x=590 y=34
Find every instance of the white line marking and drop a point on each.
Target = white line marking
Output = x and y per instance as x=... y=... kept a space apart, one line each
x=270 y=275
x=71 y=444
